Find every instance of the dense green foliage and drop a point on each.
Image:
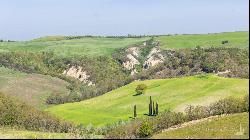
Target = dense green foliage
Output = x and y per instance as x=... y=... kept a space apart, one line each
x=193 y=61
x=145 y=127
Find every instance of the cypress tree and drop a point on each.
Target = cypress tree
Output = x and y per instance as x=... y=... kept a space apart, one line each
x=135 y=114
x=150 y=107
x=153 y=109
x=156 y=109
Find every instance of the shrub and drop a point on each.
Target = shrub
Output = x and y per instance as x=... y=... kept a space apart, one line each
x=126 y=131
x=145 y=129
x=246 y=103
x=197 y=112
x=140 y=89
x=227 y=106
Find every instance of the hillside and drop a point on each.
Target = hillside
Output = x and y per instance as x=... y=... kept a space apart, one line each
x=88 y=46
x=222 y=127
x=31 y=88
x=235 y=39
x=174 y=94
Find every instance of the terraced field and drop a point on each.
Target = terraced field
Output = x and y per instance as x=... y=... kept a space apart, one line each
x=235 y=39
x=234 y=126
x=171 y=94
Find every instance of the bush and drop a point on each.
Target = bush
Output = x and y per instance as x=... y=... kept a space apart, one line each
x=197 y=112
x=126 y=131
x=140 y=89
x=145 y=129
x=227 y=106
x=246 y=103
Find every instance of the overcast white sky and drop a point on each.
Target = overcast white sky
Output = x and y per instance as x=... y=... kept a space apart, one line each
x=27 y=19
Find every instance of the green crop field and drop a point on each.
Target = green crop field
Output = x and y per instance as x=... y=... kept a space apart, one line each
x=89 y=46
x=31 y=88
x=170 y=94
x=235 y=39
x=8 y=133
x=223 y=127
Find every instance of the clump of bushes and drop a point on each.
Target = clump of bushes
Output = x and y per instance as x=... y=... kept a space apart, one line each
x=16 y=113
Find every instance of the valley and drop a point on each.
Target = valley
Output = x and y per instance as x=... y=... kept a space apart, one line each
x=85 y=86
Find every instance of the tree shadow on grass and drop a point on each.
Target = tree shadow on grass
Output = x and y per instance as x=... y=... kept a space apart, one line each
x=137 y=94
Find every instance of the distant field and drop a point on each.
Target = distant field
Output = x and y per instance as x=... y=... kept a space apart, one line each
x=235 y=39
x=76 y=47
x=7 y=133
x=225 y=127
x=31 y=88
x=174 y=94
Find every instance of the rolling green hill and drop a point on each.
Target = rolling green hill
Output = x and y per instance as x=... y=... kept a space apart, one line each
x=31 y=88
x=174 y=94
x=235 y=39
x=88 y=46
x=222 y=127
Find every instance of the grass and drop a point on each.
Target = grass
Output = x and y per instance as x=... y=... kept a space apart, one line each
x=171 y=94
x=89 y=46
x=8 y=133
x=31 y=88
x=236 y=39
x=223 y=127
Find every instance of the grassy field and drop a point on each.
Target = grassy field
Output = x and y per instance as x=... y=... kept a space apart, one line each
x=94 y=46
x=174 y=94
x=223 y=127
x=31 y=88
x=236 y=39
x=8 y=133
x=76 y=47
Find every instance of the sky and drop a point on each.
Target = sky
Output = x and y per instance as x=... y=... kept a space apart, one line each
x=28 y=19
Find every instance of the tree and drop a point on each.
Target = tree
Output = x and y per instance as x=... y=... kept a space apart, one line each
x=140 y=89
x=135 y=114
x=156 y=109
x=153 y=109
x=150 y=111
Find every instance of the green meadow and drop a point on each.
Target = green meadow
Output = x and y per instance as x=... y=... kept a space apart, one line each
x=222 y=127
x=89 y=46
x=171 y=94
x=235 y=39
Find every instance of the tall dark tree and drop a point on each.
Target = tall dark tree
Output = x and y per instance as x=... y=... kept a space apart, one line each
x=135 y=114
x=156 y=109
x=153 y=109
x=150 y=106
